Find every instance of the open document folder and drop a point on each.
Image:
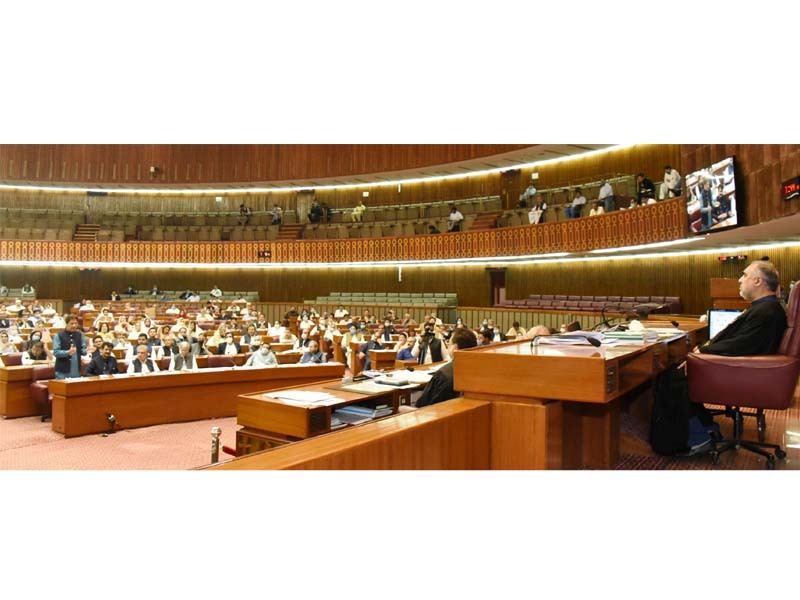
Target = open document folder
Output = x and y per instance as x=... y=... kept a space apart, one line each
x=573 y=338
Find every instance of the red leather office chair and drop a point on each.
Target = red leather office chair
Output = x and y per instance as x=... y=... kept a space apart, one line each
x=40 y=393
x=755 y=382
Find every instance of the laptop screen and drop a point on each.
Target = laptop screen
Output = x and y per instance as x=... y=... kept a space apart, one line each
x=718 y=319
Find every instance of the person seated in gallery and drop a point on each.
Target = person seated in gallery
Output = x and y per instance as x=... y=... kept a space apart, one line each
x=245 y=212
x=155 y=291
x=102 y=363
x=646 y=190
x=215 y=293
x=573 y=211
x=316 y=213
x=454 y=219
x=263 y=356
x=277 y=214
x=358 y=212
x=228 y=347
x=314 y=355
x=37 y=354
x=597 y=209
x=440 y=387
x=432 y=229
x=114 y=296
x=536 y=214
x=184 y=360
x=28 y=290
x=130 y=291
x=142 y=363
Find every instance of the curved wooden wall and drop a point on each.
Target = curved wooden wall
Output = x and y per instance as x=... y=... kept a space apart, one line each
x=655 y=223
x=217 y=163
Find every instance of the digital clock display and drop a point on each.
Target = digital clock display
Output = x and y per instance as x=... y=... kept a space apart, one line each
x=791 y=188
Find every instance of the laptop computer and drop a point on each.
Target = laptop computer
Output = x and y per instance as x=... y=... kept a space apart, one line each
x=719 y=319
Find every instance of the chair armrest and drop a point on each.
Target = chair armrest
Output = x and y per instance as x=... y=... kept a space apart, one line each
x=746 y=381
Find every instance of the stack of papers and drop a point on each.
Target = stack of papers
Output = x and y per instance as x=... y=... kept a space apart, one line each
x=300 y=397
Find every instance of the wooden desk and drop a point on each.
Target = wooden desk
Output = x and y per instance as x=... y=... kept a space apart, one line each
x=289 y=358
x=15 y=392
x=558 y=406
x=80 y=405
x=382 y=359
x=449 y=435
x=280 y=422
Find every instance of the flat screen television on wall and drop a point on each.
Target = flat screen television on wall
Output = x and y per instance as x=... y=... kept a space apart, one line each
x=711 y=197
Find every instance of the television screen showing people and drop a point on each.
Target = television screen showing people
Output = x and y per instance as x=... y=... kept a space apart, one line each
x=711 y=198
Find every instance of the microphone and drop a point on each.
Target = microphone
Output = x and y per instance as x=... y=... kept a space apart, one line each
x=605 y=322
x=675 y=324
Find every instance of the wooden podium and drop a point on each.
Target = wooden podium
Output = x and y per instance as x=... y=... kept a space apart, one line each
x=558 y=407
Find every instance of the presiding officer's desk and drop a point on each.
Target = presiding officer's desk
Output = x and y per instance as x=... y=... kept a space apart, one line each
x=81 y=405
x=559 y=406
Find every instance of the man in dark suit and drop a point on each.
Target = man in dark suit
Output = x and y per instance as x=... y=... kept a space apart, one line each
x=760 y=328
x=440 y=387
x=103 y=363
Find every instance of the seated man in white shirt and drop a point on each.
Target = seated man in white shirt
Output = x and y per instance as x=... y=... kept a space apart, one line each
x=16 y=308
x=216 y=292
x=263 y=357
x=173 y=310
x=142 y=364
x=183 y=361
x=204 y=317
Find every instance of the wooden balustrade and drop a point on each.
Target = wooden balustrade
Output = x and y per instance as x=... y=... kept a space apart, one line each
x=654 y=223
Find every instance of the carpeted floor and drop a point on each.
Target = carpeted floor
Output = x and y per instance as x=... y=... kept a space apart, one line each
x=27 y=443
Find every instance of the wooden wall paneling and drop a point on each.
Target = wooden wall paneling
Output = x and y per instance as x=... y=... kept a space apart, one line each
x=685 y=276
x=207 y=163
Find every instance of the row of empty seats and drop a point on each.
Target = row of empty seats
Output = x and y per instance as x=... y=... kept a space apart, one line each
x=661 y=304
x=374 y=230
x=35 y=233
